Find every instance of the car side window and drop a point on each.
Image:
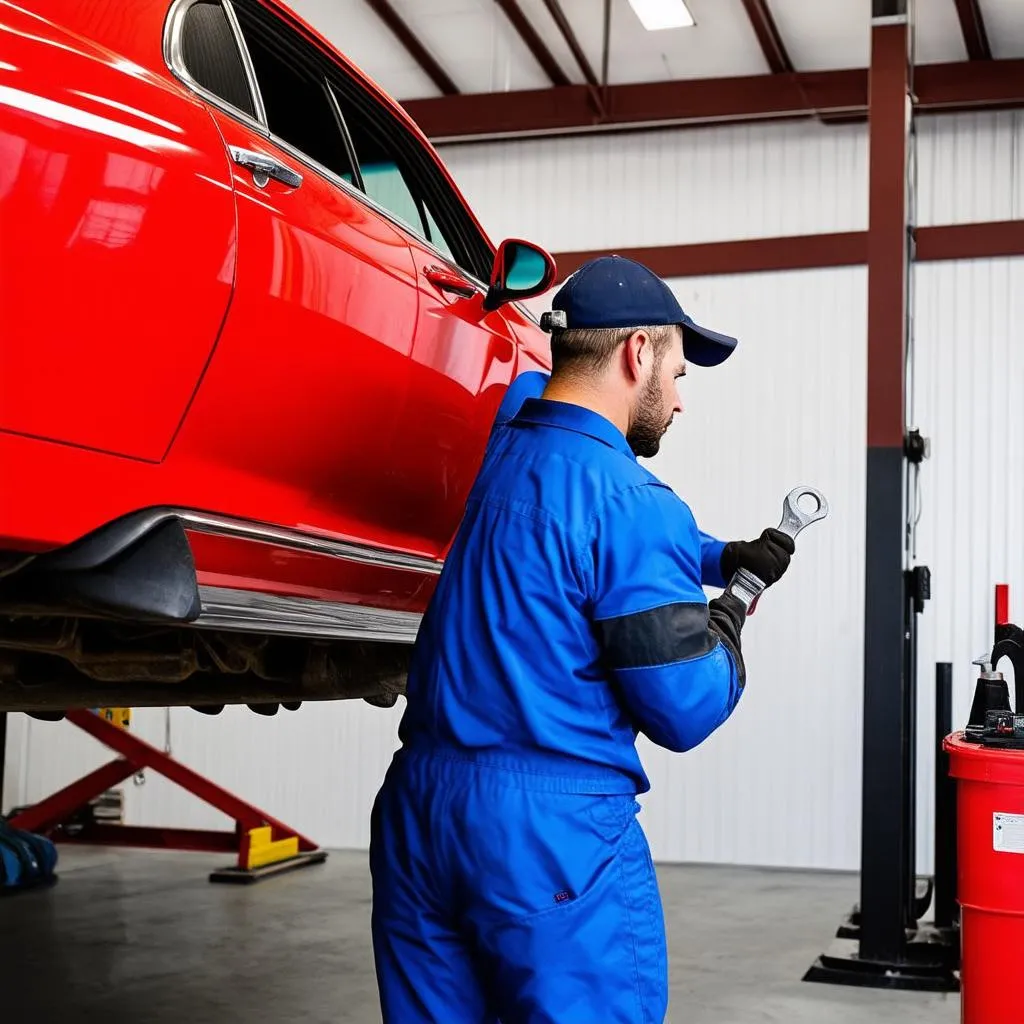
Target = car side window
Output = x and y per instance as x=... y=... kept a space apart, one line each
x=399 y=175
x=300 y=110
x=388 y=183
x=211 y=56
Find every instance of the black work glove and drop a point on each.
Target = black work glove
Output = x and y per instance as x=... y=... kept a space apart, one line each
x=767 y=557
x=726 y=615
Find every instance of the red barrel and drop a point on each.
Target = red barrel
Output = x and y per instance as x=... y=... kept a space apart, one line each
x=990 y=884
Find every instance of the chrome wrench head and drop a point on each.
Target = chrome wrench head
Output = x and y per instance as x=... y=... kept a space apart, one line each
x=794 y=518
x=745 y=585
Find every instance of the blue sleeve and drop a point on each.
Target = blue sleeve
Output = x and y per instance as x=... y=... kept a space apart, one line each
x=530 y=384
x=711 y=561
x=677 y=680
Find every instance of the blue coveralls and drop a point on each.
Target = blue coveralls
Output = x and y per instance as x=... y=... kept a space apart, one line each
x=512 y=880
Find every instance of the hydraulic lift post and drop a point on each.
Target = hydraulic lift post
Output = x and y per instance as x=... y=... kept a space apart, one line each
x=881 y=944
x=884 y=853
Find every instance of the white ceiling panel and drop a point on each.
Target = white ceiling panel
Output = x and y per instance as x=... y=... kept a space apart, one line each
x=825 y=34
x=1004 y=23
x=539 y=17
x=720 y=45
x=482 y=52
x=830 y=34
x=352 y=27
x=474 y=42
x=938 y=38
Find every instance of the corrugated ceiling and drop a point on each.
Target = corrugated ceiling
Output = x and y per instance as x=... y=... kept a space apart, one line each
x=478 y=47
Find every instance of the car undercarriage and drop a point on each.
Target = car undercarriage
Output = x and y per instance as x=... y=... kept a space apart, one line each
x=52 y=663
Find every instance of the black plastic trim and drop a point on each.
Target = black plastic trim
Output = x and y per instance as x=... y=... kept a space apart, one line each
x=134 y=568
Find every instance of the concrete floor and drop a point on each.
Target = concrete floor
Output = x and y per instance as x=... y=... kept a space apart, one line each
x=142 y=938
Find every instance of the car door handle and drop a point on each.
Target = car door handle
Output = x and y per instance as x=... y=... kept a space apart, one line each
x=265 y=167
x=449 y=281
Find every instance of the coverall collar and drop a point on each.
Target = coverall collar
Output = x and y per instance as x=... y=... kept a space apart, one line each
x=546 y=413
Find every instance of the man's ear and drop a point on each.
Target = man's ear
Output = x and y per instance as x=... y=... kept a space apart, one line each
x=639 y=352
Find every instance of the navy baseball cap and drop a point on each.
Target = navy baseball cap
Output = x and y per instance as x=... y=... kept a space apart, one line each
x=613 y=291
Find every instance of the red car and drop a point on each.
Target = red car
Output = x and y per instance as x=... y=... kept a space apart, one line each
x=252 y=341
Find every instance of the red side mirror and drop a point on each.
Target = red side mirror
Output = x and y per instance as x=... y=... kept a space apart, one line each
x=521 y=270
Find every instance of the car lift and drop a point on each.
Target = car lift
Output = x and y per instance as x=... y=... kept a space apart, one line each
x=264 y=845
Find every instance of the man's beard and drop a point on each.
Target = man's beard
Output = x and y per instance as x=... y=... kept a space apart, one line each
x=649 y=422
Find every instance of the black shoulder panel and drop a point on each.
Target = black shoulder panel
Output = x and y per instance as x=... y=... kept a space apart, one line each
x=658 y=636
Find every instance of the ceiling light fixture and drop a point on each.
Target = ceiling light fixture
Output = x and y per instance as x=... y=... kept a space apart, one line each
x=658 y=14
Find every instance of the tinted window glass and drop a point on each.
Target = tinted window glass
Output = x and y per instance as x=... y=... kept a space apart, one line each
x=294 y=94
x=211 y=55
x=385 y=185
x=435 y=234
x=388 y=180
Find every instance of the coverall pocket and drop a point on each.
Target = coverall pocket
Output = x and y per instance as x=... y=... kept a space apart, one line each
x=597 y=956
x=565 y=914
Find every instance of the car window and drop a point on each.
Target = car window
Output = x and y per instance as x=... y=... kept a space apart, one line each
x=316 y=106
x=299 y=108
x=435 y=233
x=400 y=175
x=384 y=184
x=387 y=178
x=211 y=56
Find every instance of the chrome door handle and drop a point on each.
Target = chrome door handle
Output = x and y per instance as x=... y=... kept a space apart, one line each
x=265 y=167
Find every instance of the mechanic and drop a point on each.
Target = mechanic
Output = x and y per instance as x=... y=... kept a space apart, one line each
x=511 y=877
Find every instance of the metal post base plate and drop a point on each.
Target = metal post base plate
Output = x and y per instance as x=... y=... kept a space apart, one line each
x=839 y=967
x=930 y=961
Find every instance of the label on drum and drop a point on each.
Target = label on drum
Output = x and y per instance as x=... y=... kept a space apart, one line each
x=1008 y=833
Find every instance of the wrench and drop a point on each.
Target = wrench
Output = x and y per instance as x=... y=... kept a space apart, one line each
x=748 y=587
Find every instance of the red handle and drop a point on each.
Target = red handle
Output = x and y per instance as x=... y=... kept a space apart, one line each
x=449 y=281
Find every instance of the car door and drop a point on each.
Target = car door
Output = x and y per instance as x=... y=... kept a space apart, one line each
x=463 y=355
x=108 y=309
x=303 y=404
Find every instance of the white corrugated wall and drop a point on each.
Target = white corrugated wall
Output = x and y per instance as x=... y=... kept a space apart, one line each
x=780 y=783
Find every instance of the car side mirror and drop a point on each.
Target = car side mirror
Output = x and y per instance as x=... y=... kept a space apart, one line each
x=521 y=270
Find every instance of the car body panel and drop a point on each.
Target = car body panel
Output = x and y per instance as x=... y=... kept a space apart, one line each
x=110 y=310
x=314 y=363
x=282 y=384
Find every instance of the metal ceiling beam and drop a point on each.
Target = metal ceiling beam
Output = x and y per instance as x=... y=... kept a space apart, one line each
x=984 y=240
x=768 y=36
x=529 y=35
x=938 y=88
x=559 y=18
x=972 y=24
x=419 y=53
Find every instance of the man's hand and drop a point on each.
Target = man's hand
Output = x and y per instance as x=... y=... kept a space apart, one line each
x=767 y=557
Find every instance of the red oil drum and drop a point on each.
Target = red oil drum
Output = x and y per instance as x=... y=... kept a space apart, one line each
x=990 y=877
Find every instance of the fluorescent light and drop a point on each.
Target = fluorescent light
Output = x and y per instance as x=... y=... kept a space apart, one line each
x=659 y=14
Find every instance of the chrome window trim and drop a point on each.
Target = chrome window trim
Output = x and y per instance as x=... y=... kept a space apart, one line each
x=250 y=71
x=251 y=611
x=175 y=62
x=346 y=135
